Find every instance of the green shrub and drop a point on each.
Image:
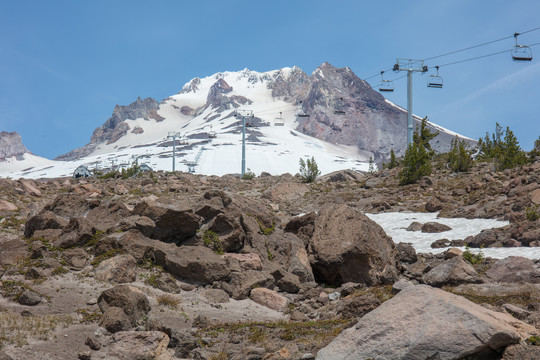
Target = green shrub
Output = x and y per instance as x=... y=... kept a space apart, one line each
x=131 y=171
x=309 y=170
x=211 y=240
x=531 y=213
x=248 y=175
x=459 y=157
x=471 y=257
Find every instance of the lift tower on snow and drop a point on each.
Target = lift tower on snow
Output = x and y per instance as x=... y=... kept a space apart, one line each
x=410 y=66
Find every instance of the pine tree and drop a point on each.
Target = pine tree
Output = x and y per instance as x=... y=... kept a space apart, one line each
x=417 y=163
x=510 y=154
x=393 y=162
x=371 y=168
x=459 y=158
x=424 y=136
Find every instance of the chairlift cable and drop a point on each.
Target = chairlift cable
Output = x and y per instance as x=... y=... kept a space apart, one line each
x=482 y=44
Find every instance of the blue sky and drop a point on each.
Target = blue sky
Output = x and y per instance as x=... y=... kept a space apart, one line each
x=64 y=65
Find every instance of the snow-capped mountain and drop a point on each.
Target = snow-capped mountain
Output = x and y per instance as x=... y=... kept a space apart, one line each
x=348 y=123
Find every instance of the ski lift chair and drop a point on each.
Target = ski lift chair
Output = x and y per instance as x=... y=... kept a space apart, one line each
x=339 y=109
x=386 y=85
x=521 y=52
x=435 y=81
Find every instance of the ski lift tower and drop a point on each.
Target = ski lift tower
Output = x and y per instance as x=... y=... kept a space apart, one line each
x=244 y=114
x=410 y=66
x=173 y=135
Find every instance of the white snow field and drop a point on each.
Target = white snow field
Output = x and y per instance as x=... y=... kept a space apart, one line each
x=273 y=149
x=395 y=224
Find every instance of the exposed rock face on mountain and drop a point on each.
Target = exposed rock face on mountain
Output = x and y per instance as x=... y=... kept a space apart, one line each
x=11 y=145
x=115 y=127
x=364 y=118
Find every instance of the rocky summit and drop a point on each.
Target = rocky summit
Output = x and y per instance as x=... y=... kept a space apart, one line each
x=331 y=114
x=11 y=145
x=181 y=266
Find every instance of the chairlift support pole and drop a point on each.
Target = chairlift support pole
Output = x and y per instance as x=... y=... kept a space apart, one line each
x=410 y=65
x=173 y=135
x=244 y=114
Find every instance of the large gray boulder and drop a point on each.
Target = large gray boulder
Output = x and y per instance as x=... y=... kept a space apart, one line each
x=348 y=246
x=514 y=269
x=422 y=322
x=193 y=263
x=174 y=222
x=454 y=271
x=128 y=298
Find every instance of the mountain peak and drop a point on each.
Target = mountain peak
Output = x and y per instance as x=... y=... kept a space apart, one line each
x=11 y=145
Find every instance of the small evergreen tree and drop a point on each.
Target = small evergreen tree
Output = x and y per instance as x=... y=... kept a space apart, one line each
x=459 y=157
x=309 y=170
x=416 y=164
x=417 y=159
x=510 y=154
x=393 y=162
x=424 y=135
x=371 y=168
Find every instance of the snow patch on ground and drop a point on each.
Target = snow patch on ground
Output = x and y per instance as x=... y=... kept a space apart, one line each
x=395 y=225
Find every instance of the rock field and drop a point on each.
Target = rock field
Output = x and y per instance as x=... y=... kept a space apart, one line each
x=182 y=266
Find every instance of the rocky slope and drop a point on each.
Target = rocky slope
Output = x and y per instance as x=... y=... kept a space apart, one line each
x=173 y=266
x=11 y=145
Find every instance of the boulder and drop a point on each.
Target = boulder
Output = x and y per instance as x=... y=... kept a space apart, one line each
x=114 y=319
x=216 y=296
x=406 y=253
x=441 y=243
x=348 y=246
x=415 y=226
x=131 y=242
x=289 y=283
x=30 y=188
x=521 y=352
x=427 y=323
x=534 y=196
x=42 y=221
x=340 y=176
x=484 y=239
x=174 y=223
x=93 y=343
x=75 y=259
x=7 y=206
x=435 y=227
x=514 y=269
x=69 y=205
x=241 y=283
x=452 y=252
x=529 y=236
x=400 y=285
x=128 y=298
x=143 y=224
x=118 y=269
x=229 y=231
x=108 y=214
x=434 y=204
x=139 y=345
x=249 y=261
x=193 y=263
x=454 y=271
x=357 y=306
x=268 y=298
x=29 y=298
